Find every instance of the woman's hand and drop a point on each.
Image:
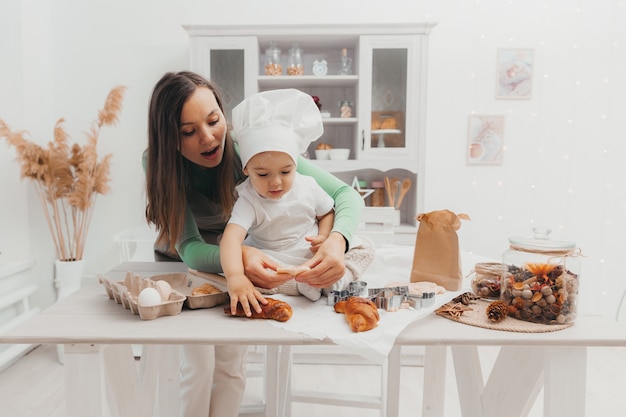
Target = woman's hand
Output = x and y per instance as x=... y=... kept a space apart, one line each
x=328 y=263
x=260 y=269
x=241 y=291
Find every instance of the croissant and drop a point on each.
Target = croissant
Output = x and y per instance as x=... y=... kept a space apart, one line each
x=361 y=313
x=274 y=310
x=205 y=289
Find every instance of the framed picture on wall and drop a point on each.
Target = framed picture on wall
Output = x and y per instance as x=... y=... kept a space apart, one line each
x=485 y=140
x=514 y=76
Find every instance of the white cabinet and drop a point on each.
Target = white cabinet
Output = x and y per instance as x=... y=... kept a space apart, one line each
x=386 y=87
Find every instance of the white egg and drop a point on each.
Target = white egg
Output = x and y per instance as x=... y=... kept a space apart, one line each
x=149 y=297
x=164 y=288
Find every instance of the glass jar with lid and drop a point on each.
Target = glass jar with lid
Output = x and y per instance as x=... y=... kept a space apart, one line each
x=273 y=66
x=540 y=279
x=345 y=108
x=294 y=63
x=486 y=279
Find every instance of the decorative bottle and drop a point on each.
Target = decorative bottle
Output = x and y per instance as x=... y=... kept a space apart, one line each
x=345 y=67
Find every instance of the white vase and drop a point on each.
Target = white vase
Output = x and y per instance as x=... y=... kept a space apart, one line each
x=68 y=276
x=67 y=279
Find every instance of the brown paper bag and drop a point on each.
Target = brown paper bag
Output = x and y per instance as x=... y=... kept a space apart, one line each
x=436 y=257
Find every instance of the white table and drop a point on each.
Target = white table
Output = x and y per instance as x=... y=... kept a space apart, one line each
x=94 y=329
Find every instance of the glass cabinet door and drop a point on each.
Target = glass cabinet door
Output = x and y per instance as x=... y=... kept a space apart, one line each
x=227 y=71
x=229 y=63
x=386 y=128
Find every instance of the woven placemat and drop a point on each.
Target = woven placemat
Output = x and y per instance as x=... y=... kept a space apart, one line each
x=477 y=317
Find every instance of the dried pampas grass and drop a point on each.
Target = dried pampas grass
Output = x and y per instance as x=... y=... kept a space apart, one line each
x=68 y=179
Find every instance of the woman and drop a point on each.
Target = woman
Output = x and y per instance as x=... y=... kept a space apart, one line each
x=192 y=168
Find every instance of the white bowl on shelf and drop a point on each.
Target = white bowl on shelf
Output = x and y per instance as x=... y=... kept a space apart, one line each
x=322 y=154
x=339 y=154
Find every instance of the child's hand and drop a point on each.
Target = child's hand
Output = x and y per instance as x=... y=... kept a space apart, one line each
x=292 y=271
x=242 y=291
x=315 y=241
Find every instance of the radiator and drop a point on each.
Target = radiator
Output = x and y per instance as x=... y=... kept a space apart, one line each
x=14 y=305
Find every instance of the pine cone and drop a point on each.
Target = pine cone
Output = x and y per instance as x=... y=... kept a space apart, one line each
x=496 y=311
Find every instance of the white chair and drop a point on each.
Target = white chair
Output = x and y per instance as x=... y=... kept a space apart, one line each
x=268 y=365
x=136 y=244
x=382 y=394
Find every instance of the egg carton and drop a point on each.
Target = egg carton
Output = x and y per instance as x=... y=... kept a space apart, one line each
x=185 y=283
x=182 y=284
x=127 y=292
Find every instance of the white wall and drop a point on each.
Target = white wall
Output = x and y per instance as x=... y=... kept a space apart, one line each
x=14 y=210
x=560 y=168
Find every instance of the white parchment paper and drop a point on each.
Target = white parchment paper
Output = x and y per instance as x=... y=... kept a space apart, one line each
x=391 y=264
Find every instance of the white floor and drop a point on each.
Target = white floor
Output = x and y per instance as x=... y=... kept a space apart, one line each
x=33 y=386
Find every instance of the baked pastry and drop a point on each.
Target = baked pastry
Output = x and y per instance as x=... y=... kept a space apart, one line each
x=323 y=146
x=273 y=310
x=389 y=123
x=205 y=289
x=293 y=271
x=361 y=313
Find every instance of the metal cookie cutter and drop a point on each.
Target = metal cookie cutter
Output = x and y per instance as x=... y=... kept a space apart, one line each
x=389 y=299
x=428 y=299
x=355 y=289
x=358 y=288
x=335 y=296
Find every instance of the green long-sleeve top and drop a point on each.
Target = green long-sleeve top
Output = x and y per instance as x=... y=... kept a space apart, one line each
x=198 y=245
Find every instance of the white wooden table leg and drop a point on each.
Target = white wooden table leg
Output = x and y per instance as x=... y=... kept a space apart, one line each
x=83 y=380
x=514 y=382
x=390 y=396
x=283 y=383
x=469 y=379
x=565 y=381
x=271 y=378
x=434 y=381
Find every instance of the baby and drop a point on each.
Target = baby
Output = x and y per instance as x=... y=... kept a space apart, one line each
x=284 y=213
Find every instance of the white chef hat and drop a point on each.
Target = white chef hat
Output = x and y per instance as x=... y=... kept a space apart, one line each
x=285 y=120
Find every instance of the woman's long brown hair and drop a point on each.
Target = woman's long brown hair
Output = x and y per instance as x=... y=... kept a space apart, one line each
x=167 y=177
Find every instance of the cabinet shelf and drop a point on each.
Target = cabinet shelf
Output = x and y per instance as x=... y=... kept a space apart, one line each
x=304 y=81
x=381 y=165
x=338 y=121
